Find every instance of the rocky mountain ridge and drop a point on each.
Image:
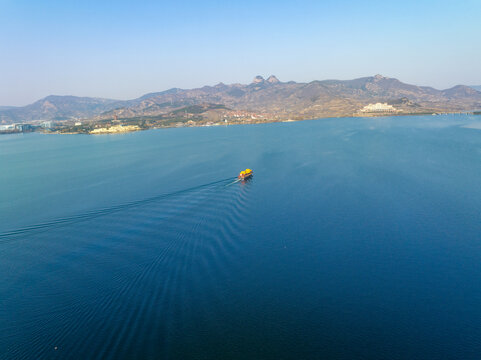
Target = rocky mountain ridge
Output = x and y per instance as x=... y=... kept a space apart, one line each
x=267 y=96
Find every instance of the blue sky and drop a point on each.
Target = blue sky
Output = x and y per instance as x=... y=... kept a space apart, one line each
x=123 y=49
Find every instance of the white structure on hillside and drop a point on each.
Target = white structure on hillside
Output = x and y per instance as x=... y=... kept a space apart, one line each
x=378 y=107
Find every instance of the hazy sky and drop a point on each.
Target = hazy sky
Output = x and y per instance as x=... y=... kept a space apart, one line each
x=123 y=49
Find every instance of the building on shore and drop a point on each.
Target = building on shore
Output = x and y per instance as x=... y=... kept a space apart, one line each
x=16 y=128
x=379 y=108
x=23 y=127
x=10 y=127
x=46 y=124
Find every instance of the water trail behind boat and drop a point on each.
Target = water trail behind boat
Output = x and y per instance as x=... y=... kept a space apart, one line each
x=105 y=211
x=233 y=182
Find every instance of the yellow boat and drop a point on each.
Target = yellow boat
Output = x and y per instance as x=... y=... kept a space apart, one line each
x=246 y=174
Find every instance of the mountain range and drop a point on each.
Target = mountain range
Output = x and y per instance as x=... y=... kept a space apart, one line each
x=264 y=96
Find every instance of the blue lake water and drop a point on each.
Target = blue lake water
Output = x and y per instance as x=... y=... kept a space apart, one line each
x=356 y=238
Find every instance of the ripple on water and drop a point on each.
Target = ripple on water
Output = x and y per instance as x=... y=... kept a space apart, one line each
x=124 y=278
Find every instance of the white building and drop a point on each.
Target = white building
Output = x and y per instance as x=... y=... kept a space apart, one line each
x=7 y=127
x=378 y=107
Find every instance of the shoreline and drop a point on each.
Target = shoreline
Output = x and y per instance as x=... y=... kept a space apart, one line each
x=124 y=129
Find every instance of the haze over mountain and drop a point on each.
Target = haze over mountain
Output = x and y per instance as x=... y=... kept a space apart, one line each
x=284 y=99
x=476 y=87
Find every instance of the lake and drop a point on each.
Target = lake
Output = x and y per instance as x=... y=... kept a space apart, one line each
x=356 y=238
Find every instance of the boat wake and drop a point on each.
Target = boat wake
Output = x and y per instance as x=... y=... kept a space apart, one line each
x=106 y=211
x=132 y=276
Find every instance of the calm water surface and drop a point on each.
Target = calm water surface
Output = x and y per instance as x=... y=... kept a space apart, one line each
x=356 y=238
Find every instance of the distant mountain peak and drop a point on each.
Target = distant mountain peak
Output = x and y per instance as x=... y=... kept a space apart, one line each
x=273 y=80
x=379 y=77
x=460 y=91
x=258 y=79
